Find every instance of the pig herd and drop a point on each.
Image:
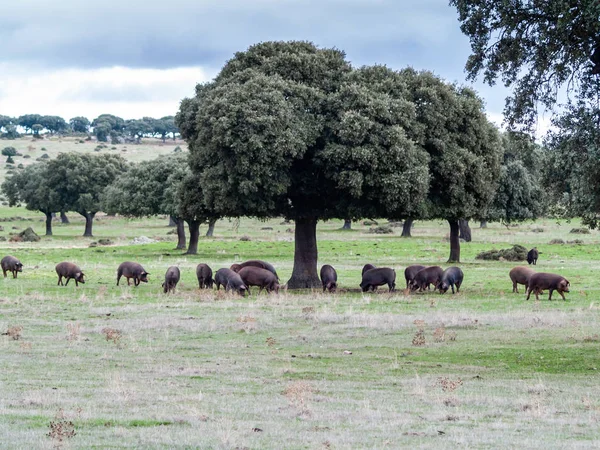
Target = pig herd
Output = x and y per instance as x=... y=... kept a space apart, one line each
x=240 y=277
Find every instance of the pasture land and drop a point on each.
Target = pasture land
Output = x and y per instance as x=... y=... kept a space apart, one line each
x=32 y=149
x=125 y=367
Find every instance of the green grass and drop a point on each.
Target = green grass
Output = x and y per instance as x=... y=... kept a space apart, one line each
x=299 y=369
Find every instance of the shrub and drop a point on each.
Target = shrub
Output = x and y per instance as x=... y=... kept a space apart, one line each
x=537 y=230
x=44 y=156
x=381 y=229
x=177 y=149
x=580 y=231
x=556 y=241
x=516 y=253
x=26 y=156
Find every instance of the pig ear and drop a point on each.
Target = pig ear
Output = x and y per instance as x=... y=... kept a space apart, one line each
x=145 y=273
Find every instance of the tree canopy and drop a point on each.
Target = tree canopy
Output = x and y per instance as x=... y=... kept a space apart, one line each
x=79 y=181
x=290 y=129
x=536 y=47
x=31 y=187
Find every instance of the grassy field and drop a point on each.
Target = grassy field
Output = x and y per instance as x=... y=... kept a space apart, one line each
x=126 y=367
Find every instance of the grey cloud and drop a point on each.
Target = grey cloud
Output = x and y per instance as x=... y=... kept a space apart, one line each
x=176 y=33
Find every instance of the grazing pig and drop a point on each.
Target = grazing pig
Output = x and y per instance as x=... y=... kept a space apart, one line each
x=11 y=264
x=368 y=267
x=256 y=276
x=540 y=281
x=328 y=278
x=451 y=277
x=520 y=275
x=171 y=279
x=410 y=272
x=132 y=270
x=69 y=270
x=427 y=276
x=204 y=274
x=255 y=263
x=378 y=277
x=532 y=256
x=230 y=281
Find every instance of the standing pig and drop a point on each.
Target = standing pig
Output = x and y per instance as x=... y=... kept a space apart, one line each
x=378 y=277
x=255 y=263
x=451 y=277
x=410 y=272
x=171 y=279
x=540 y=281
x=427 y=276
x=255 y=276
x=132 y=270
x=69 y=270
x=328 y=278
x=11 y=264
x=532 y=256
x=204 y=274
x=368 y=267
x=230 y=281
x=520 y=275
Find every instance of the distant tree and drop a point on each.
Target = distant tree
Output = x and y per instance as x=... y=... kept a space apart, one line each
x=287 y=129
x=168 y=127
x=464 y=149
x=9 y=151
x=80 y=124
x=102 y=130
x=54 y=124
x=79 y=181
x=27 y=121
x=537 y=48
x=147 y=189
x=116 y=123
x=5 y=121
x=193 y=209
x=11 y=132
x=519 y=195
x=30 y=186
x=37 y=128
x=137 y=129
x=571 y=169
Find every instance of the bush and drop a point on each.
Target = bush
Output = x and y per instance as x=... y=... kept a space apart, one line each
x=43 y=149
x=580 y=231
x=575 y=241
x=537 y=230
x=381 y=229
x=245 y=238
x=20 y=166
x=516 y=253
x=368 y=223
x=556 y=241
x=26 y=156
x=44 y=156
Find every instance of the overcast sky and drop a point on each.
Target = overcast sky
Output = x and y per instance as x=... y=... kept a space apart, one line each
x=135 y=58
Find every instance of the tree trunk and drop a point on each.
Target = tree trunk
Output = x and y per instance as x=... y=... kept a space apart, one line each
x=304 y=274
x=180 y=224
x=454 y=242
x=483 y=224
x=48 y=224
x=89 y=221
x=347 y=224
x=194 y=227
x=172 y=221
x=406 y=226
x=465 y=230
x=63 y=217
x=211 y=227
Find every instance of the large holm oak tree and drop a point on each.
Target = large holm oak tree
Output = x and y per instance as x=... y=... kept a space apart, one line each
x=464 y=151
x=79 y=181
x=288 y=129
x=30 y=186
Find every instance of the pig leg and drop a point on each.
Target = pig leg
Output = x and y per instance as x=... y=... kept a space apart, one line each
x=562 y=295
x=67 y=283
x=59 y=280
x=550 y=294
x=452 y=286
